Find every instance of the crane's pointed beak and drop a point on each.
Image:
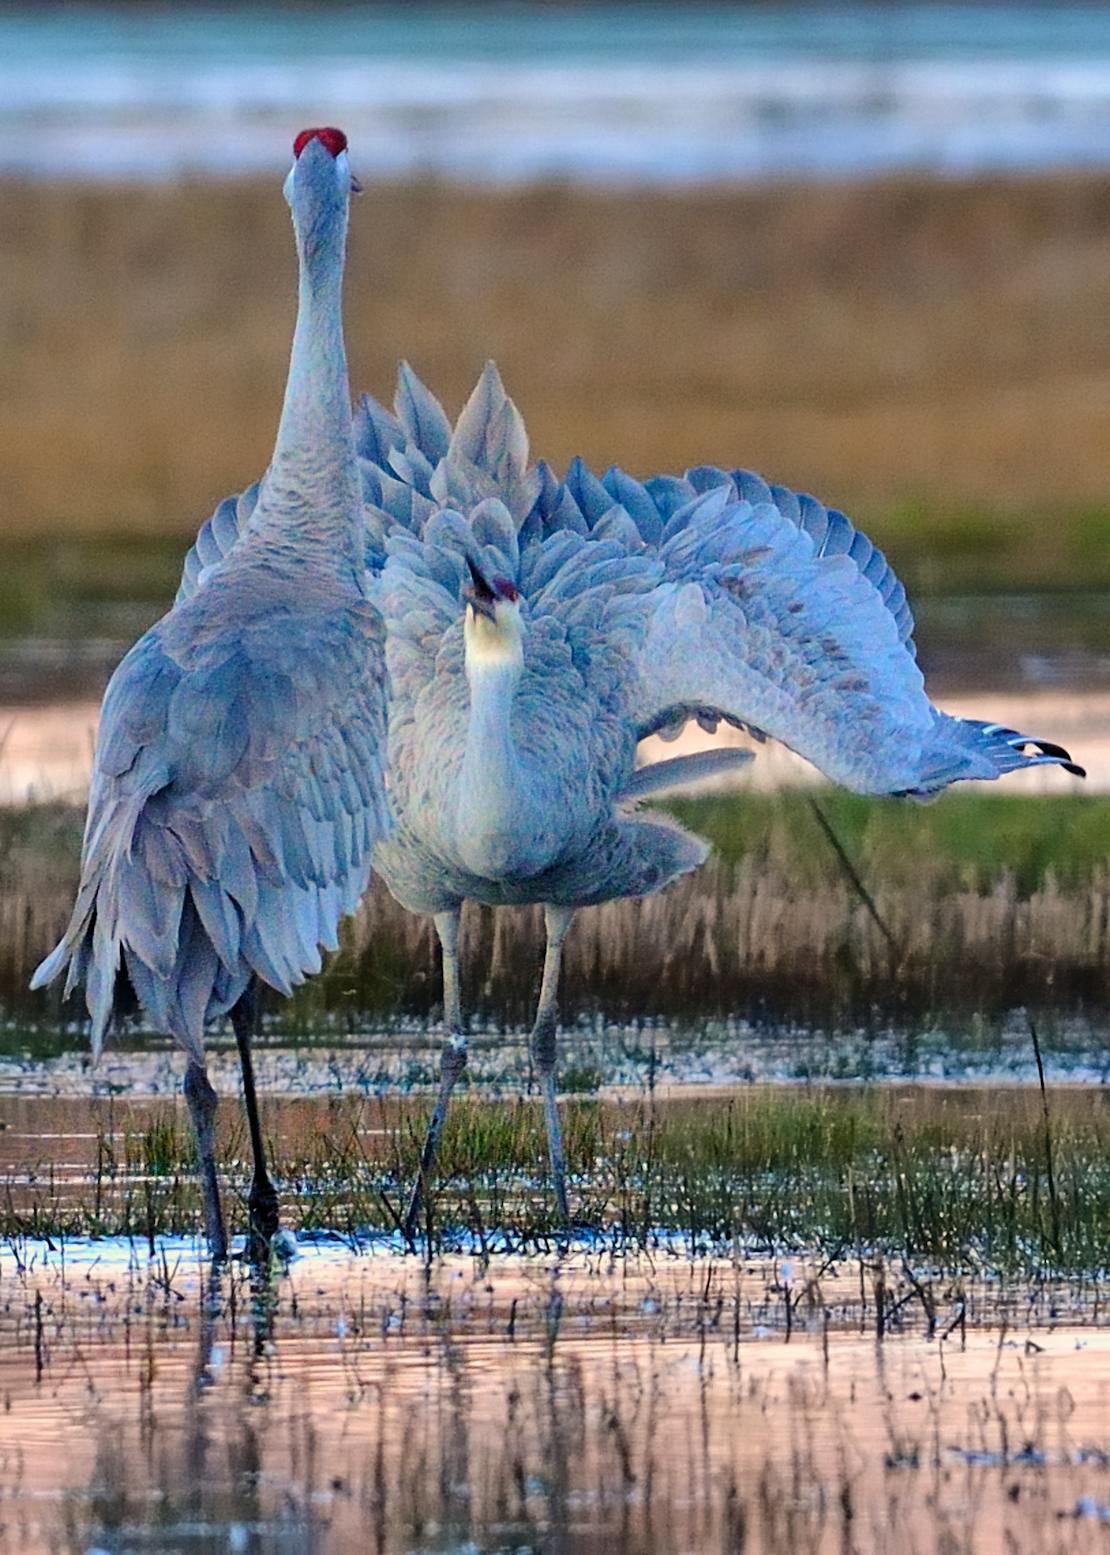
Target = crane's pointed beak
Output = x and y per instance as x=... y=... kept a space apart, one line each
x=481 y=598
x=356 y=187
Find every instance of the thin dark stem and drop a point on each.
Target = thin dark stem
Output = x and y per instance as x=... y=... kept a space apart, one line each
x=1053 y=1203
x=854 y=876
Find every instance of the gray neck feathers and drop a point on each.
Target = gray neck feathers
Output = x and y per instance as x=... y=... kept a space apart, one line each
x=311 y=499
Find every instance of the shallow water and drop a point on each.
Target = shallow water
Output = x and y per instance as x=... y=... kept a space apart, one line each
x=566 y=1404
x=596 y=1057
x=660 y=1401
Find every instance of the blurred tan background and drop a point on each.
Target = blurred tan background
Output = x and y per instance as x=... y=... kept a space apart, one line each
x=918 y=351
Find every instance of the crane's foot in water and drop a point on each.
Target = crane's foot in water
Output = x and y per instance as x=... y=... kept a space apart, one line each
x=410 y=1226
x=263 y=1210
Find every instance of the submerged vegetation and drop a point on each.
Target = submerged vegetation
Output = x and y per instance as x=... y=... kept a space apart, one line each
x=964 y=1182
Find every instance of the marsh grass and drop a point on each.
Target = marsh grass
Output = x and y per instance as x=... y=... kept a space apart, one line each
x=992 y=901
x=954 y=1181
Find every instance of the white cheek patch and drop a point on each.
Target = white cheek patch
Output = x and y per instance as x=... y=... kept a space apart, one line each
x=343 y=172
x=287 y=186
x=491 y=643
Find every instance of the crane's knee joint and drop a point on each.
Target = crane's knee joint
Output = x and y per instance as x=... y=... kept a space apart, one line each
x=452 y=1060
x=543 y=1046
x=200 y=1094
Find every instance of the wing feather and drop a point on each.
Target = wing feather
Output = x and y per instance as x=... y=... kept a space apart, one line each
x=422 y=417
x=233 y=822
x=775 y=612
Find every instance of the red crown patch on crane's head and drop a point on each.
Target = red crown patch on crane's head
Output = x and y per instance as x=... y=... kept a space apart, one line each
x=333 y=140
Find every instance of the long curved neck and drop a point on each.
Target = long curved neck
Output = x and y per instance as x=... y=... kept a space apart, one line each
x=492 y=803
x=311 y=499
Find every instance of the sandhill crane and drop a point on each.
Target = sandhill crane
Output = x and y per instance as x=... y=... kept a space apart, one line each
x=536 y=629
x=237 y=788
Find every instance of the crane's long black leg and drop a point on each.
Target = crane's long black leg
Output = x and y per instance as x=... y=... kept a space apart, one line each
x=202 y=1101
x=558 y=920
x=262 y=1203
x=452 y=1062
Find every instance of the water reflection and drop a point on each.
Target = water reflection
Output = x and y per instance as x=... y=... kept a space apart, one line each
x=534 y=1405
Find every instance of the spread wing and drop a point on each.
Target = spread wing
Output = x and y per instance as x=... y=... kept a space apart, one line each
x=776 y=613
x=238 y=792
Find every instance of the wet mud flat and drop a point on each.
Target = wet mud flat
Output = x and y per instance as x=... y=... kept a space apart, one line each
x=572 y=1402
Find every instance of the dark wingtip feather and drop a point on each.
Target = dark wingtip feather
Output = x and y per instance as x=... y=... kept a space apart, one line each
x=1048 y=750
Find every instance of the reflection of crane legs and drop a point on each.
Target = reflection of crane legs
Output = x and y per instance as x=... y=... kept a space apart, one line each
x=557 y=920
x=262 y=1204
x=202 y=1101
x=452 y=1062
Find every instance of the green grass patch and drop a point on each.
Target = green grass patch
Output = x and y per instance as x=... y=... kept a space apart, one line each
x=970 y=839
x=960 y=1180
x=946 y=548
x=76 y=583
x=967 y=840
x=80 y=585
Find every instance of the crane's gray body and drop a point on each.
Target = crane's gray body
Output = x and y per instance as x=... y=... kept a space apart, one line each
x=238 y=789
x=712 y=596
x=311 y=708
x=233 y=812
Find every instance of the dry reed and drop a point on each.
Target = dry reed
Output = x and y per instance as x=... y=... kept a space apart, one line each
x=773 y=931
